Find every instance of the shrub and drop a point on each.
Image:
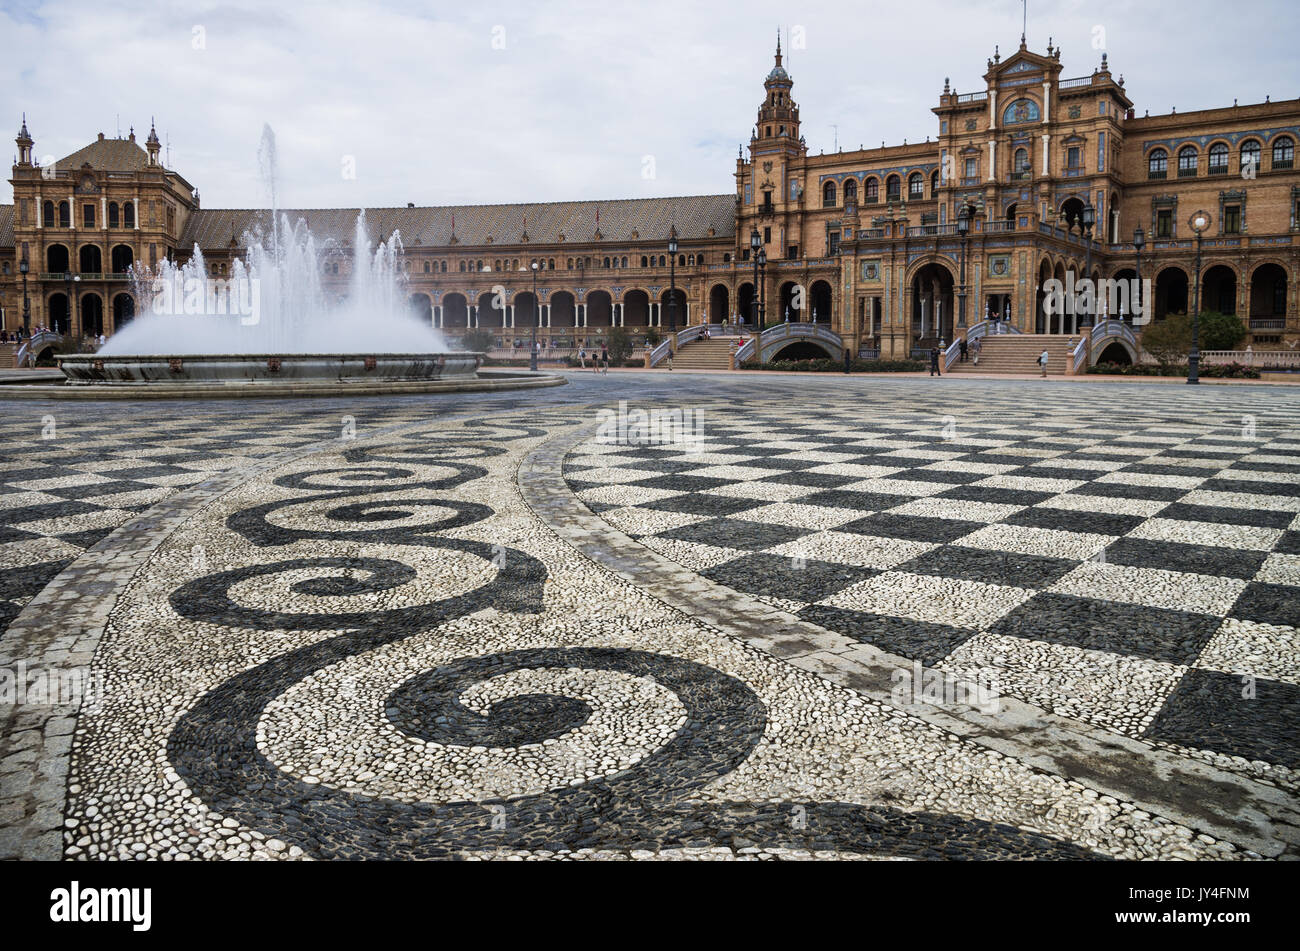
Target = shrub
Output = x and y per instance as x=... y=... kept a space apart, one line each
x=1213 y=371
x=652 y=337
x=837 y=366
x=1169 y=340
x=620 y=345
x=1220 y=331
x=478 y=340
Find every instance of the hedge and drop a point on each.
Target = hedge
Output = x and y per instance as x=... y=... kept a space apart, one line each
x=837 y=366
x=1233 y=371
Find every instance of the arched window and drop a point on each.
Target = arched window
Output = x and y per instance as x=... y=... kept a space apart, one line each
x=426 y=267
x=128 y=215
x=550 y=264
x=1218 y=159
x=1283 y=152
x=444 y=267
x=1250 y=156
x=893 y=188
x=47 y=214
x=681 y=260
x=1158 y=164
x=1187 y=159
x=462 y=265
x=851 y=190
x=65 y=215
x=624 y=264
x=828 y=195
x=112 y=215
x=1020 y=166
x=569 y=265
x=915 y=187
x=645 y=262
x=872 y=191
x=934 y=183
x=663 y=260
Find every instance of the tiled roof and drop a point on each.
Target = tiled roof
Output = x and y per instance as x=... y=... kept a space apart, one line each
x=621 y=221
x=6 y=226
x=113 y=155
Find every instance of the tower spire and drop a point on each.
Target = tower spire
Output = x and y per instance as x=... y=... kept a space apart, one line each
x=778 y=46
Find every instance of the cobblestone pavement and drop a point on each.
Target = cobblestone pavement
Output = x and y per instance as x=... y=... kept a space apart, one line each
x=810 y=618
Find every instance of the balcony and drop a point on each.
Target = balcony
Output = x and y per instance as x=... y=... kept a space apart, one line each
x=1157 y=175
x=970 y=180
x=1187 y=173
x=1023 y=175
x=1075 y=172
x=1268 y=323
x=1217 y=170
x=1281 y=164
x=1075 y=83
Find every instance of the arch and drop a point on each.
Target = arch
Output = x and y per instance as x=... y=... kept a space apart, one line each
x=746 y=303
x=934 y=184
x=828 y=194
x=850 y=190
x=1171 y=291
x=804 y=350
x=1283 y=149
x=90 y=260
x=1268 y=291
x=1218 y=159
x=667 y=317
x=1250 y=155
x=1219 y=289
x=92 y=314
x=1041 y=316
x=636 y=308
x=1011 y=212
x=123 y=311
x=561 y=309
x=1117 y=351
x=822 y=303
x=915 y=187
x=791 y=302
x=114 y=216
x=1072 y=212
x=871 y=190
x=47 y=214
x=128 y=214
x=489 y=316
x=600 y=309
x=719 y=303
x=455 y=310
x=56 y=259
x=422 y=308
x=121 y=259
x=65 y=215
x=1157 y=163
x=893 y=188
x=1020 y=163
x=57 y=314
x=1189 y=158
x=932 y=303
x=527 y=314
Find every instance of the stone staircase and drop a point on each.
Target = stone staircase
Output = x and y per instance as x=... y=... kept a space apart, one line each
x=712 y=354
x=8 y=356
x=1018 y=353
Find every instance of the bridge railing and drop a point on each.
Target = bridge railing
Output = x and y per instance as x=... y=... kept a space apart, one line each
x=783 y=333
x=33 y=345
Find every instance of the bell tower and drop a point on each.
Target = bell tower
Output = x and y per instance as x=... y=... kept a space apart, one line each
x=25 y=144
x=778 y=116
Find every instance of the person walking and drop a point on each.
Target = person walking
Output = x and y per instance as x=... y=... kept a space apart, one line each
x=965 y=349
x=604 y=358
x=934 y=362
x=582 y=357
x=1042 y=362
x=976 y=347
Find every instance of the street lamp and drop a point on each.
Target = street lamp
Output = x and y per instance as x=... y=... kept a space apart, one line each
x=1199 y=222
x=1139 y=242
x=23 y=268
x=74 y=311
x=672 y=291
x=762 y=296
x=1089 y=221
x=963 y=228
x=755 y=245
x=532 y=345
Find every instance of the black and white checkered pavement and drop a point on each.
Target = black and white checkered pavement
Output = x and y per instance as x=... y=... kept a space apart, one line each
x=1141 y=571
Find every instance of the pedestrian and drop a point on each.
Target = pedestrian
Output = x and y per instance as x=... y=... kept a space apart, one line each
x=604 y=358
x=976 y=346
x=582 y=357
x=934 y=362
x=965 y=349
x=1042 y=363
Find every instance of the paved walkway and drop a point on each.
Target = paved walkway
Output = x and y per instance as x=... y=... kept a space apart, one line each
x=790 y=624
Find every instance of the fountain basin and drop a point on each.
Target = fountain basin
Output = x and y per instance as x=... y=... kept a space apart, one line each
x=262 y=369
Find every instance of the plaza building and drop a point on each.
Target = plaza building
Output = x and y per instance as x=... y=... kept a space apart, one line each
x=884 y=251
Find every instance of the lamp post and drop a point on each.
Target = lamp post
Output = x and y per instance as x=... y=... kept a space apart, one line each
x=672 y=291
x=23 y=268
x=762 y=297
x=1199 y=222
x=1139 y=242
x=74 y=315
x=755 y=245
x=1089 y=221
x=532 y=345
x=963 y=228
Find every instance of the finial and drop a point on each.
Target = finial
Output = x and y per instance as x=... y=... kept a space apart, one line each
x=1103 y=62
x=997 y=56
x=778 y=46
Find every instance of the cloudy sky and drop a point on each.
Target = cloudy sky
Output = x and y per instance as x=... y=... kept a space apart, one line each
x=442 y=103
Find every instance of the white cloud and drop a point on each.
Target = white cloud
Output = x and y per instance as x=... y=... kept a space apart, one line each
x=577 y=96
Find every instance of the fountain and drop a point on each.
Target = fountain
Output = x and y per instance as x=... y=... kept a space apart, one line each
x=272 y=320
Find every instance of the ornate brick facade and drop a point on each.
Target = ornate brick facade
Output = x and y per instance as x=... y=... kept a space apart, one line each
x=866 y=241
